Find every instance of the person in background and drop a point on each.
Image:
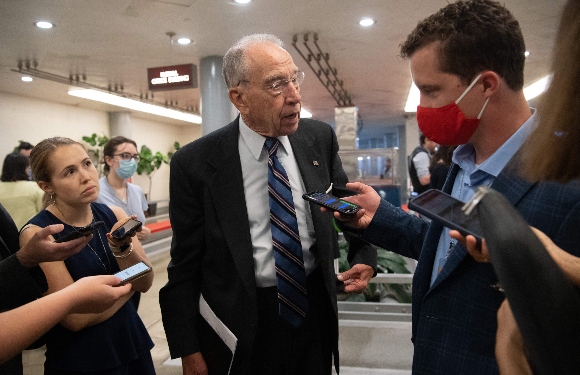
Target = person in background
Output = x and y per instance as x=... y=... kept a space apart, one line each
x=21 y=197
x=243 y=237
x=419 y=161
x=114 y=341
x=121 y=157
x=440 y=164
x=24 y=148
x=467 y=60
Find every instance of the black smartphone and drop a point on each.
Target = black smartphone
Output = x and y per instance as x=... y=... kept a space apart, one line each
x=132 y=273
x=126 y=229
x=331 y=202
x=80 y=232
x=442 y=207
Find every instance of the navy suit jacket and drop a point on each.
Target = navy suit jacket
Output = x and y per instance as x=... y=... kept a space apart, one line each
x=211 y=250
x=454 y=320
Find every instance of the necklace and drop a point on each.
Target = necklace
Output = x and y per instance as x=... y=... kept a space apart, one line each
x=107 y=270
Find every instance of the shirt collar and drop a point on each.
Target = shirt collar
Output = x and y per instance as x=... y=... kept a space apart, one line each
x=464 y=155
x=256 y=141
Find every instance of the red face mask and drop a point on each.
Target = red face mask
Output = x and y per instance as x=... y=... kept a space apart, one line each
x=447 y=125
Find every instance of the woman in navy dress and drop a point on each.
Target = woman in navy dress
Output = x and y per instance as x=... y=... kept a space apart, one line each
x=114 y=342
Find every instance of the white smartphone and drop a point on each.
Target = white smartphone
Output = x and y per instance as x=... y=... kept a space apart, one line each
x=132 y=273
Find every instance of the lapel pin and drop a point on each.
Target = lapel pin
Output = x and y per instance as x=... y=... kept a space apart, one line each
x=314 y=162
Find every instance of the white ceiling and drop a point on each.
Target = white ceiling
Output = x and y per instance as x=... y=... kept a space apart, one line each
x=115 y=41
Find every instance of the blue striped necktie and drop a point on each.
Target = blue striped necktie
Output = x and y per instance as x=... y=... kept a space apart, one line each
x=290 y=272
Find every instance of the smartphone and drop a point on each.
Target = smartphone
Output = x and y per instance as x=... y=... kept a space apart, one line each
x=80 y=232
x=126 y=229
x=443 y=208
x=132 y=273
x=331 y=202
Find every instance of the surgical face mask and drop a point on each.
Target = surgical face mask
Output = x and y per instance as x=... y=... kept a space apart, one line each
x=448 y=125
x=126 y=168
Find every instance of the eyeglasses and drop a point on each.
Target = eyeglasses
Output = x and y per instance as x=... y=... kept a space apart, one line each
x=282 y=85
x=128 y=156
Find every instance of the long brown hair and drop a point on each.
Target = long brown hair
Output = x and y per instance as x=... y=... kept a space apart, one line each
x=552 y=152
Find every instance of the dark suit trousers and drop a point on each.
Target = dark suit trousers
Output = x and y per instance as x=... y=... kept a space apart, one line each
x=283 y=350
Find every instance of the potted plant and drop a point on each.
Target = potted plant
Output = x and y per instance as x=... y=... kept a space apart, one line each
x=97 y=143
x=149 y=163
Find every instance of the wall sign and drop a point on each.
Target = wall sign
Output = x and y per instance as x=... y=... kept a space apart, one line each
x=172 y=77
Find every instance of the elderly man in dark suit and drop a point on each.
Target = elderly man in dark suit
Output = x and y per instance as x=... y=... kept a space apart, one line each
x=467 y=61
x=232 y=244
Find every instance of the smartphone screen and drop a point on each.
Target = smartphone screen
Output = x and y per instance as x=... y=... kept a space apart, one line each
x=126 y=229
x=442 y=207
x=331 y=202
x=134 y=272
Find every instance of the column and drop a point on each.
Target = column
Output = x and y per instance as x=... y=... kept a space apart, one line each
x=216 y=108
x=120 y=124
x=412 y=141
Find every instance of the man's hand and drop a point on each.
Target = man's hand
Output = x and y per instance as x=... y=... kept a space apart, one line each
x=194 y=364
x=357 y=278
x=479 y=253
x=96 y=294
x=41 y=248
x=367 y=198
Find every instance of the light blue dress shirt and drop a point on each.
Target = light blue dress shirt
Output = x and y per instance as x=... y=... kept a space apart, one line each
x=470 y=176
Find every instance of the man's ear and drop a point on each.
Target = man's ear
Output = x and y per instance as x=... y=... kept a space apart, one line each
x=238 y=99
x=491 y=82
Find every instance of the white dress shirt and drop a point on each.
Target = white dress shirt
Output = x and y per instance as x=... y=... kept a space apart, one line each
x=254 y=159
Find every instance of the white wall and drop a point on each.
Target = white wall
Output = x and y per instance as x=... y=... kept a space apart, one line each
x=32 y=120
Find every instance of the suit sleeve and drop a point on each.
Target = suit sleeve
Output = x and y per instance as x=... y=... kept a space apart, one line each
x=179 y=298
x=397 y=231
x=19 y=286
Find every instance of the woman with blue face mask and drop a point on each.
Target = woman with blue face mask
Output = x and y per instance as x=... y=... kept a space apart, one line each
x=121 y=158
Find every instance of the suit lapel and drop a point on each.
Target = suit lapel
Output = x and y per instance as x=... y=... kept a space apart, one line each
x=310 y=162
x=227 y=190
x=507 y=183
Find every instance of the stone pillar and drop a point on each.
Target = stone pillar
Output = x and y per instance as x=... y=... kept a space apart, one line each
x=120 y=124
x=216 y=108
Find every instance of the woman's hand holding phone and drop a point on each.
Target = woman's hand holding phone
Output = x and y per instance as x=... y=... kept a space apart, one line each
x=123 y=232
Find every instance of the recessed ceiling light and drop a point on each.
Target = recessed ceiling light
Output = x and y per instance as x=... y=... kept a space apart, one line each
x=26 y=79
x=242 y=1
x=44 y=24
x=366 y=21
x=527 y=53
x=184 y=41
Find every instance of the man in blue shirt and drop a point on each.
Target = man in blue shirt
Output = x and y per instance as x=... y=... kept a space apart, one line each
x=467 y=61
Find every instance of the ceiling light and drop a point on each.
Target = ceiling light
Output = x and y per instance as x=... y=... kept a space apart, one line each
x=412 y=99
x=530 y=92
x=184 y=41
x=304 y=113
x=242 y=1
x=44 y=24
x=26 y=79
x=527 y=53
x=366 y=21
x=136 y=105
